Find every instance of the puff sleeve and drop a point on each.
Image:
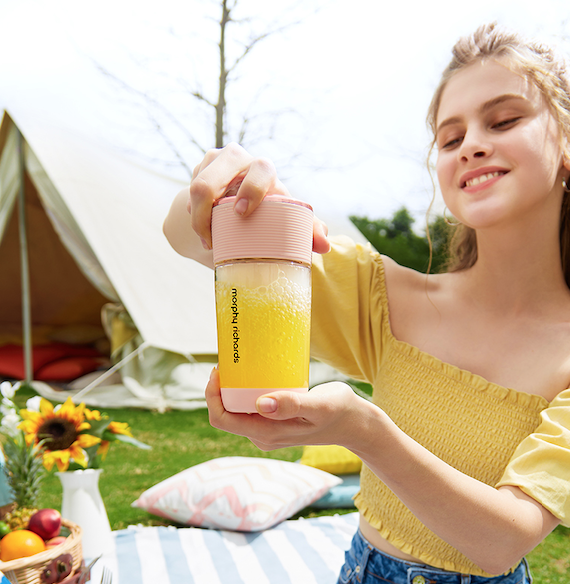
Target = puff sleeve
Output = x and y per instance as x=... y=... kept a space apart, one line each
x=347 y=308
x=540 y=466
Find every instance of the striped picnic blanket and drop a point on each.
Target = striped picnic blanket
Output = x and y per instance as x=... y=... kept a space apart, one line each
x=310 y=551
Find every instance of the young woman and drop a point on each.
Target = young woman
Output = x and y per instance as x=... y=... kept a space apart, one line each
x=466 y=445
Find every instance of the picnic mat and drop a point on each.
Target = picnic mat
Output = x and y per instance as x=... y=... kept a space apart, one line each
x=310 y=551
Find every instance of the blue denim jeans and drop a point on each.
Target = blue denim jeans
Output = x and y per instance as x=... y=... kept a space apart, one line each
x=364 y=564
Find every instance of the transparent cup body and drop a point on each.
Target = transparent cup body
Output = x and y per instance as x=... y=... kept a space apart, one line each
x=263 y=310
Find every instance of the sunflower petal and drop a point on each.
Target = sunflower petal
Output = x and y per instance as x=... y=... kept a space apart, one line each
x=86 y=440
x=28 y=427
x=30 y=416
x=120 y=428
x=59 y=457
x=46 y=408
x=78 y=454
x=103 y=449
x=30 y=439
x=48 y=460
x=93 y=414
x=67 y=409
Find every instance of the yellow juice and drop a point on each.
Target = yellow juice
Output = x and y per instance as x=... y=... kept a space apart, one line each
x=264 y=316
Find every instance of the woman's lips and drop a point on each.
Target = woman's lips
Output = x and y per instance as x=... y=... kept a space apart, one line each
x=481 y=177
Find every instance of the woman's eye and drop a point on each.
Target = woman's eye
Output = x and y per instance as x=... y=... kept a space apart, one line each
x=505 y=123
x=452 y=143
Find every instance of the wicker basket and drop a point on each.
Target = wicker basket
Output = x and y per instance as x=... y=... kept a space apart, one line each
x=28 y=570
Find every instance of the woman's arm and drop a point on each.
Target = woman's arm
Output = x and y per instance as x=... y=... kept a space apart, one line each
x=494 y=528
x=178 y=230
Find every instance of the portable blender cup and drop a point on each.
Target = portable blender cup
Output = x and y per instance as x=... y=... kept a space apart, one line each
x=263 y=298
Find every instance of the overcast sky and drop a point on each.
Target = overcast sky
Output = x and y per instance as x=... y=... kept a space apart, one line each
x=351 y=82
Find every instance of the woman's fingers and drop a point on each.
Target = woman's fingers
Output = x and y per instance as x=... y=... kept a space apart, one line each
x=210 y=181
x=219 y=417
x=233 y=171
x=230 y=170
x=259 y=181
x=321 y=243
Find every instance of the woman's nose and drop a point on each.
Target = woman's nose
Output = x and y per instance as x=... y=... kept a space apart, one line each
x=474 y=145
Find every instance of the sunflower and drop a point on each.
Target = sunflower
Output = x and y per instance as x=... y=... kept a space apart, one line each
x=61 y=433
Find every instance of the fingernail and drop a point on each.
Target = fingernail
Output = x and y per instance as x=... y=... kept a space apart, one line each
x=241 y=206
x=205 y=244
x=266 y=405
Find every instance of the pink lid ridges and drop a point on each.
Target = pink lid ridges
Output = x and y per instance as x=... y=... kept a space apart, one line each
x=280 y=228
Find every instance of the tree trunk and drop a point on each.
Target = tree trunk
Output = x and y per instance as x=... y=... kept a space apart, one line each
x=221 y=105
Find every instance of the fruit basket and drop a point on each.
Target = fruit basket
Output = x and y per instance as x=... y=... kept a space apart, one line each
x=29 y=570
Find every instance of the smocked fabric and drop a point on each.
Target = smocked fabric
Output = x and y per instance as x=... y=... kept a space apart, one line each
x=470 y=423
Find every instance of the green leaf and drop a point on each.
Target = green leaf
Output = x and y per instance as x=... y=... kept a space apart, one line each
x=92 y=455
x=98 y=427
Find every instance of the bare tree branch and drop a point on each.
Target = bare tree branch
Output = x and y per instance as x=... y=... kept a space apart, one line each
x=201 y=97
x=157 y=110
x=149 y=100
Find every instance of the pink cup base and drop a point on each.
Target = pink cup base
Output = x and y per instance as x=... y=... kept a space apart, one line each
x=239 y=400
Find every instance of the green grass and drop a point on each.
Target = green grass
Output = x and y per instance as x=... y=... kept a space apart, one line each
x=550 y=561
x=182 y=439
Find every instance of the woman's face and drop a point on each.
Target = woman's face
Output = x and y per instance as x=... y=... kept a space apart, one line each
x=499 y=153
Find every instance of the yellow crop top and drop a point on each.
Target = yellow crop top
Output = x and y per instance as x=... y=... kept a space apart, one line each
x=470 y=423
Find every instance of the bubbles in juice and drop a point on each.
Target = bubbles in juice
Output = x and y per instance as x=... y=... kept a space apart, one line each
x=263 y=314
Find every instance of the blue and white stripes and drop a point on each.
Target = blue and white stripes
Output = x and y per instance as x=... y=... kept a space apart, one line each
x=305 y=550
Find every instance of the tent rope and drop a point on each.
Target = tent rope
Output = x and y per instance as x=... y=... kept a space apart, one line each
x=109 y=372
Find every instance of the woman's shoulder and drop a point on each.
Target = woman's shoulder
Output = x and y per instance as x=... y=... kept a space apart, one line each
x=401 y=280
x=412 y=298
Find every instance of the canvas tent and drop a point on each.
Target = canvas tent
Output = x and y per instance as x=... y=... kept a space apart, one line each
x=100 y=269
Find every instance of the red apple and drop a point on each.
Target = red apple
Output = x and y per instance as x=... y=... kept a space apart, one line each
x=51 y=543
x=46 y=523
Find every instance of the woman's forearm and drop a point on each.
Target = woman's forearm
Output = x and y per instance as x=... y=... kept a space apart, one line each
x=494 y=528
x=178 y=230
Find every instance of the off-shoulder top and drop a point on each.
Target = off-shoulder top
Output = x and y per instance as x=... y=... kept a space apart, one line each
x=492 y=433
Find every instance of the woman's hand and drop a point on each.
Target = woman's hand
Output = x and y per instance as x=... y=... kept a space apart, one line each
x=227 y=171
x=230 y=171
x=325 y=415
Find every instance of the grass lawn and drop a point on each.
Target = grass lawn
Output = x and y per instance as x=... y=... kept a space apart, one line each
x=182 y=439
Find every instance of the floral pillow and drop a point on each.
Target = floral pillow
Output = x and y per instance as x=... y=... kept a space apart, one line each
x=237 y=493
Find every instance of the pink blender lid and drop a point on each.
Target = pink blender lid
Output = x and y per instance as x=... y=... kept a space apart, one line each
x=280 y=228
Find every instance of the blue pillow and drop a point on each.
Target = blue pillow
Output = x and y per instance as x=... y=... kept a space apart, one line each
x=341 y=496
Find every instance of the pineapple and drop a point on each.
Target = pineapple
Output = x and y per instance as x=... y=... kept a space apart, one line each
x=25 y=473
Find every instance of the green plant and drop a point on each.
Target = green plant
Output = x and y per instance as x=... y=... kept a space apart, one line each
x=24 y=469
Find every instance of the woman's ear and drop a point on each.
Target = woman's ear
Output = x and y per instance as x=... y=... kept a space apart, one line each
x=566 y=153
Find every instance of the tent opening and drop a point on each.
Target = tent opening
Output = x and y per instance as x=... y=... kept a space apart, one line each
x=67 y=333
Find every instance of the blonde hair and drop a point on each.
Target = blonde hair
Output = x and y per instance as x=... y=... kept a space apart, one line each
x=548 y=71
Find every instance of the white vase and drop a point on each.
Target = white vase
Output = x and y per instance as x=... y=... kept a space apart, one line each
x=82 y=504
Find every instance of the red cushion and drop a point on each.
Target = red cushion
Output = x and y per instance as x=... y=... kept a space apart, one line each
x=12 y=357
x=67 y=369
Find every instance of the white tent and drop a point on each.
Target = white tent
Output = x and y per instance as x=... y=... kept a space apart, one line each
x=109 y=266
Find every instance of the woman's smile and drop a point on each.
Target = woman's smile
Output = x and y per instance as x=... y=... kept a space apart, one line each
x=482 y=177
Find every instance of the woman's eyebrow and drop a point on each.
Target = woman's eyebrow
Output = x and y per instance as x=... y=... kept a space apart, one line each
x=500 y=99
x=490 y=104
